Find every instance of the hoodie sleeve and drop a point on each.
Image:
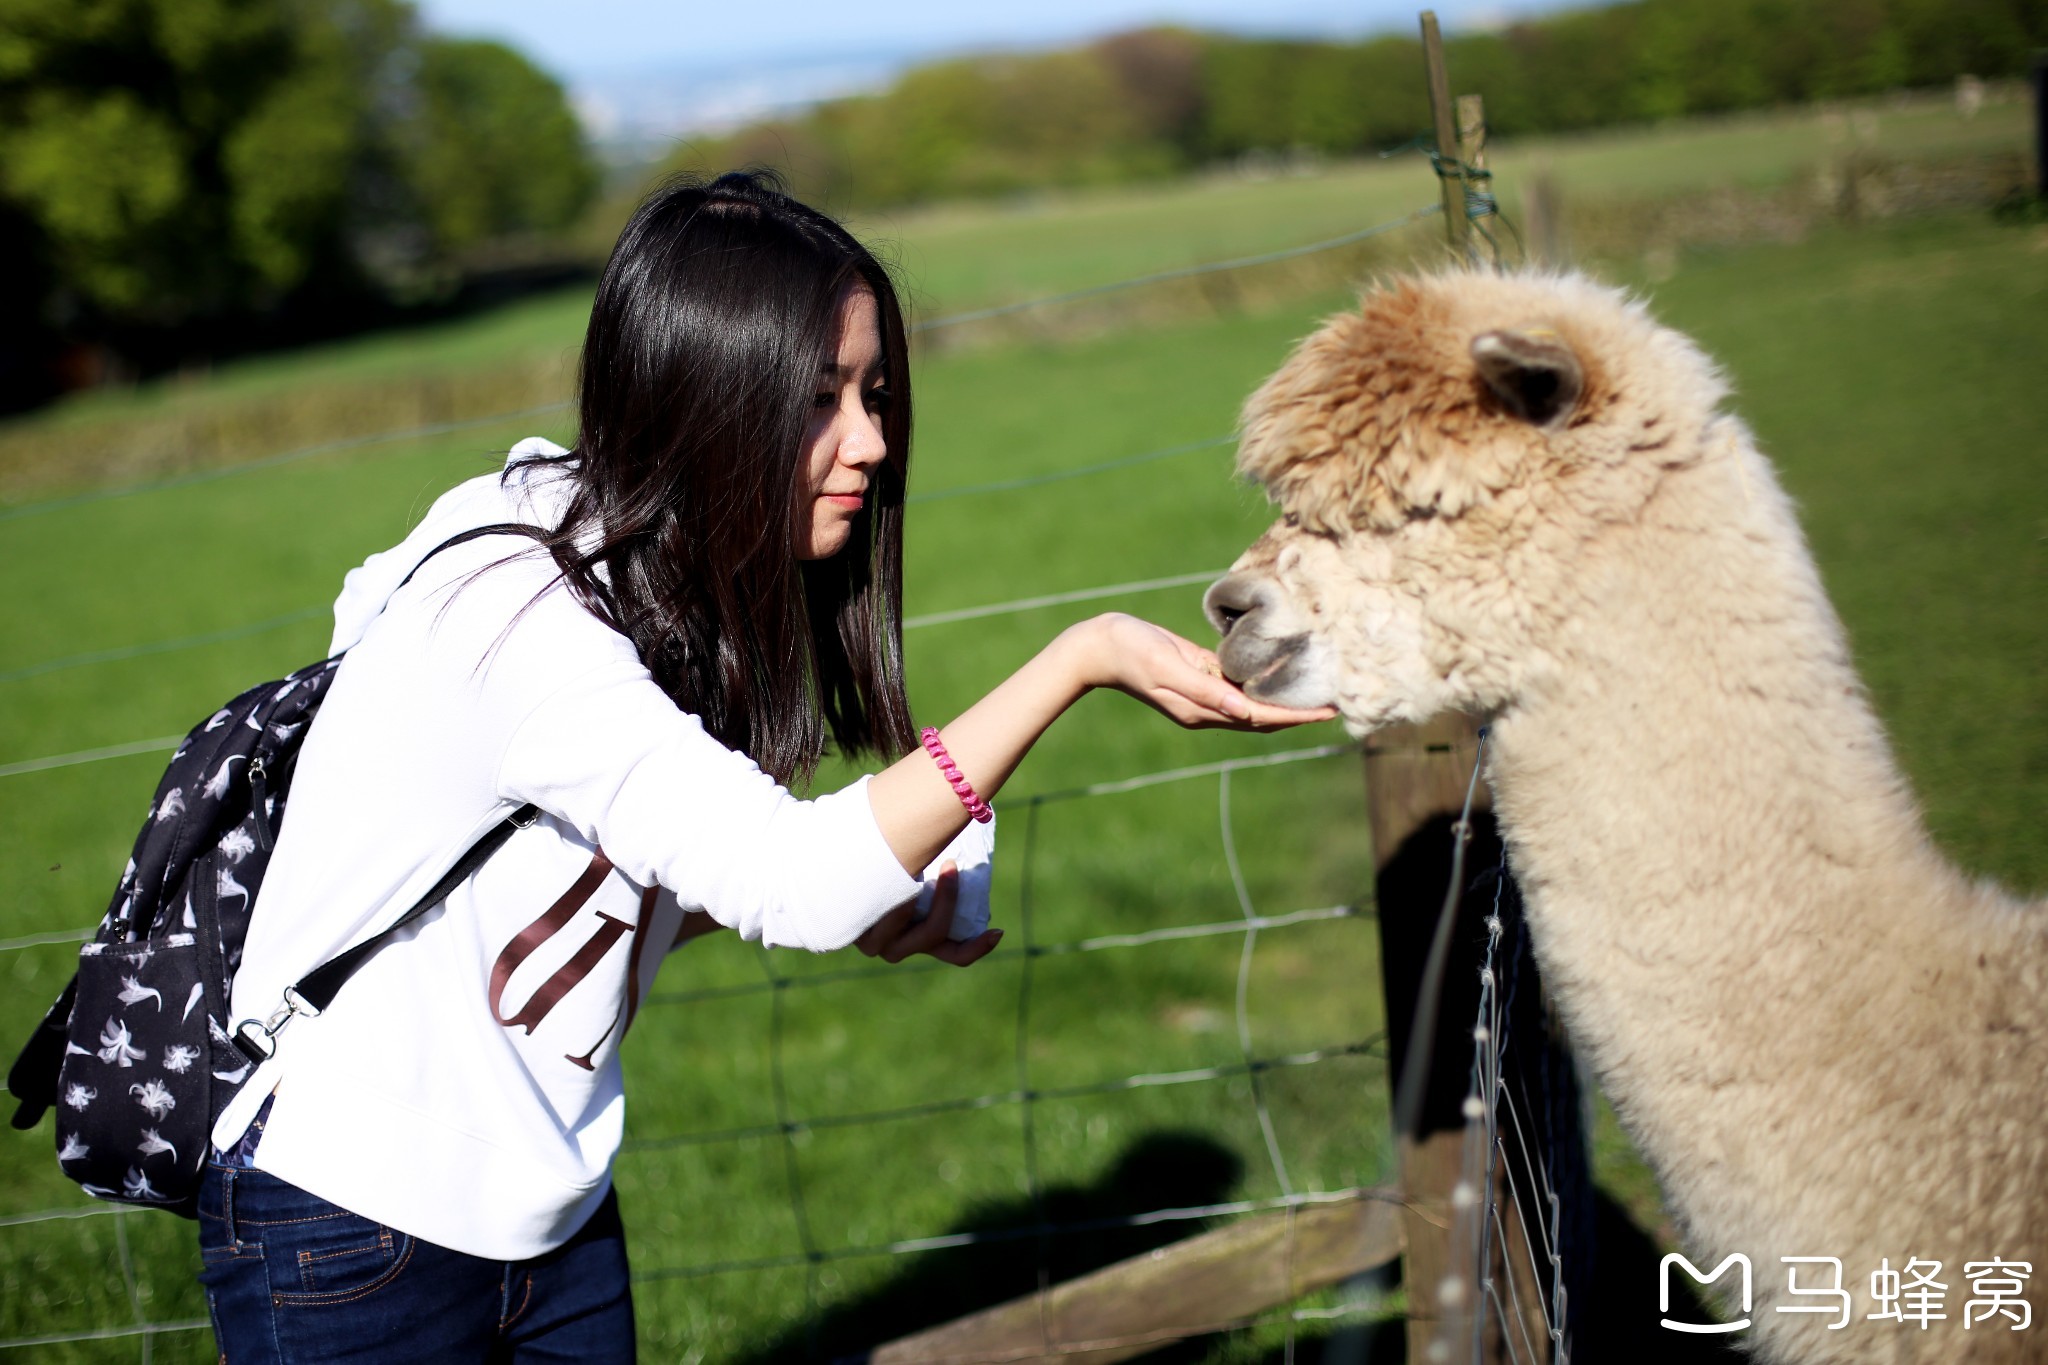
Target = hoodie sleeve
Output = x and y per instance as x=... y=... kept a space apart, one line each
x=612 y=755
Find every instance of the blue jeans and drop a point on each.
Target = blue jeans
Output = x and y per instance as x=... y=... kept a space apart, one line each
x=292 y=1279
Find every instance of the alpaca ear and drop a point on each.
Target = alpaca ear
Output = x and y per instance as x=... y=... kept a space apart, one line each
x=1532 y=372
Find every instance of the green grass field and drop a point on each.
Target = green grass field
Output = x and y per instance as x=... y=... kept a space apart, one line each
x=1892 y=372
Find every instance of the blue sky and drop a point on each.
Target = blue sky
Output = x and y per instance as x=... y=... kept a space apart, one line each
x=578 y=39
x=646 y=69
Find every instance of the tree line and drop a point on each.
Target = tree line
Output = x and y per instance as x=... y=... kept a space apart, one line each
x=181 y=177
x=194 y=178
x=1162 y=101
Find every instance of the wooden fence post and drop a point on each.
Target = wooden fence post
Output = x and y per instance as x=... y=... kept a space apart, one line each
x=1414 y=786
x=1472 y=157
x=1456 y=227
x=1416 y=780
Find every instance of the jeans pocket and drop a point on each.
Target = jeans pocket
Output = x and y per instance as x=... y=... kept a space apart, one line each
x=336 y=1258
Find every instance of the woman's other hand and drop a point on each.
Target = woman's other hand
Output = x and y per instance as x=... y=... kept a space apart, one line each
x=1175 y=677
x=900 y=934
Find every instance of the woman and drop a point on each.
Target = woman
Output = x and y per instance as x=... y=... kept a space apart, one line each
x=422 y=1171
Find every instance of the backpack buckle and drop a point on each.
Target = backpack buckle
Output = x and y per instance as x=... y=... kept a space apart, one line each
x=258 y=1040
x=254 y=1041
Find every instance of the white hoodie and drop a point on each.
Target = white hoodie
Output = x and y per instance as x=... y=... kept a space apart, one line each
x=464 y=1085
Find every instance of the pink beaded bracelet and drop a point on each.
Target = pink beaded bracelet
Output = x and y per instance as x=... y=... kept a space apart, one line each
x=950 y=770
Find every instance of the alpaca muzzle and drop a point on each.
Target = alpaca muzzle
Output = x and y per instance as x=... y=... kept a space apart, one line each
x=1243 y=607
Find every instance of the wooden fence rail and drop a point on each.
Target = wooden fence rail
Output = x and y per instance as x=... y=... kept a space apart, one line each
x=1207 y=1283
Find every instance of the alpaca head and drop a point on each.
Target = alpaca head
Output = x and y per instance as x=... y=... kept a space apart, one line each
x=1443 y=457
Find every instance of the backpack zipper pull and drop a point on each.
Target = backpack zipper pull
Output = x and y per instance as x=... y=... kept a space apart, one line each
x=258 y=797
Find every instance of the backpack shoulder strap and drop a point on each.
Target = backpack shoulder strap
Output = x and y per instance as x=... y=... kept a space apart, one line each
x=32 y=1079
x=315 y=991
x=498 y=528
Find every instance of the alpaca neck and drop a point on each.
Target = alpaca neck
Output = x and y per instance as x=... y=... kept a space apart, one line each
x=1706 y=821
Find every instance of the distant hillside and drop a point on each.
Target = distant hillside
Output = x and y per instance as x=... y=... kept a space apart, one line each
x=1159 y=101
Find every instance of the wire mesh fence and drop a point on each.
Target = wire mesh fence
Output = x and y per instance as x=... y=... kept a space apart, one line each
x=942 y=323
x=1517 y=1200
x=1521 y=1231
x=1024 y=1093
x=142 y=649
x=1027 y=1094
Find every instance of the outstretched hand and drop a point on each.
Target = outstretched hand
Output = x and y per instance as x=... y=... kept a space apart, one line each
x=917 y=808
x=901 y=934
x=1178 y=678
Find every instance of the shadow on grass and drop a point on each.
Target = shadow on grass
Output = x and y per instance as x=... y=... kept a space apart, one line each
x=1619 y=1321
x=1610 y=1266
x=1159 y=1171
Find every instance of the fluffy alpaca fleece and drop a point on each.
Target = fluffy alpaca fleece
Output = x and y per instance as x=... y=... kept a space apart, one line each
x=1517 y=496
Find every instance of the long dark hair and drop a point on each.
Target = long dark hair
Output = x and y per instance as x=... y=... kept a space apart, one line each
x=714 y=316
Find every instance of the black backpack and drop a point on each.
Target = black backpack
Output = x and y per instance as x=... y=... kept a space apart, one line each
x=138 y=1055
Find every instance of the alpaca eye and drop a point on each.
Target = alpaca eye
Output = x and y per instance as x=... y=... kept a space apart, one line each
x=1292 y=520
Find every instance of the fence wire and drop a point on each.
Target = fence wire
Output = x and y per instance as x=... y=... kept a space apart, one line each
x=1024 y=1093
x=226 y=634
x=941 y=323
x=1512 y=1144
x=293 y=456
x=166 y=743
x=1519 y=1237
x=788 y=1125
x=1186 y=272
x=953 y=1241
x=145 y=1330
x=144 y=650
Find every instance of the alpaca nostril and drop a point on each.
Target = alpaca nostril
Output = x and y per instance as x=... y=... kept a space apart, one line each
x=1223 y=612
x=1230 y=600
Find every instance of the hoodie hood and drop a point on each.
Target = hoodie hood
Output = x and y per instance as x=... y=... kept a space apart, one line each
x=535 y=495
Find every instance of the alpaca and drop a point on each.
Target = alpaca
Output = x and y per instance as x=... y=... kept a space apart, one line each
x=1517 y=496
